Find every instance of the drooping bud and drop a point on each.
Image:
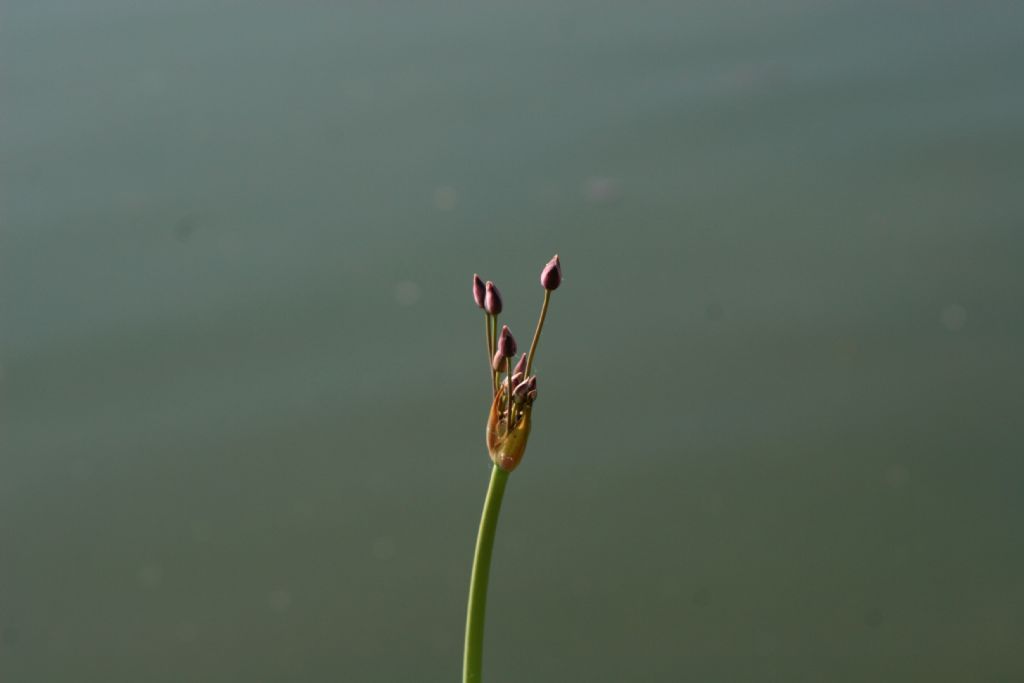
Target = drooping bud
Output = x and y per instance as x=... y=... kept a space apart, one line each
x=506 y=343
x=499 y=362
x=478 y=291
x=531 y=389
x=551 y=276
x=520 y=366
x=520 y=392
x=492 y=299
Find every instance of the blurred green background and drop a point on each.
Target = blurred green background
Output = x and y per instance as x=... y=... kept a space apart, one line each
x=244 y=386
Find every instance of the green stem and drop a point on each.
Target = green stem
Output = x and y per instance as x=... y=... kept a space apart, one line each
x=494 y=344
x=508 y=411
x=536 y=333
x=472 y=663
x=490 y=352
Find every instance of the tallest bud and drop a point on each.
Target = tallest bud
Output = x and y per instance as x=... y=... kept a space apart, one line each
x=551 y=276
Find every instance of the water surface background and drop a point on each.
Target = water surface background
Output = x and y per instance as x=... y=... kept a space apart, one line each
x=243 y=383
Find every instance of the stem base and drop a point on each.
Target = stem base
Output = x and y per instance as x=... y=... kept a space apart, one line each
x=476 y=610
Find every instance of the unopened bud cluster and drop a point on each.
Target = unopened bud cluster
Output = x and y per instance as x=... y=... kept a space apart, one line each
x=509 y=420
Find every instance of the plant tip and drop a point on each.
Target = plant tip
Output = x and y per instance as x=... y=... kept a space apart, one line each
x=551 y=276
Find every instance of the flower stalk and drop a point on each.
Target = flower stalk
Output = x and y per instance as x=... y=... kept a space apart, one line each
x=507 y=433
x=476 y=611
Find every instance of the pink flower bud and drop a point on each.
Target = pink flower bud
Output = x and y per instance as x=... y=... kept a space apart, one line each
x=551 y=276
x=506 y=343
x=519 y=393
x=478 y=290
x=520 y=366
x=499 y=362
x=492 y=299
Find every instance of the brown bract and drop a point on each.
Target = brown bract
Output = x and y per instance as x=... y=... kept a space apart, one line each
x=505 y=446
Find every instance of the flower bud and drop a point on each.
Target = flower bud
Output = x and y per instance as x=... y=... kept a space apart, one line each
x=520 y=366
x=551 y=276
x=492 y=299
x=519 y=393
x=478 y=291
x=506 y=343
x=498 y=363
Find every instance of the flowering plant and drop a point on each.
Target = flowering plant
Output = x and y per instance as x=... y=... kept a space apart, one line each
x=507 y=433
